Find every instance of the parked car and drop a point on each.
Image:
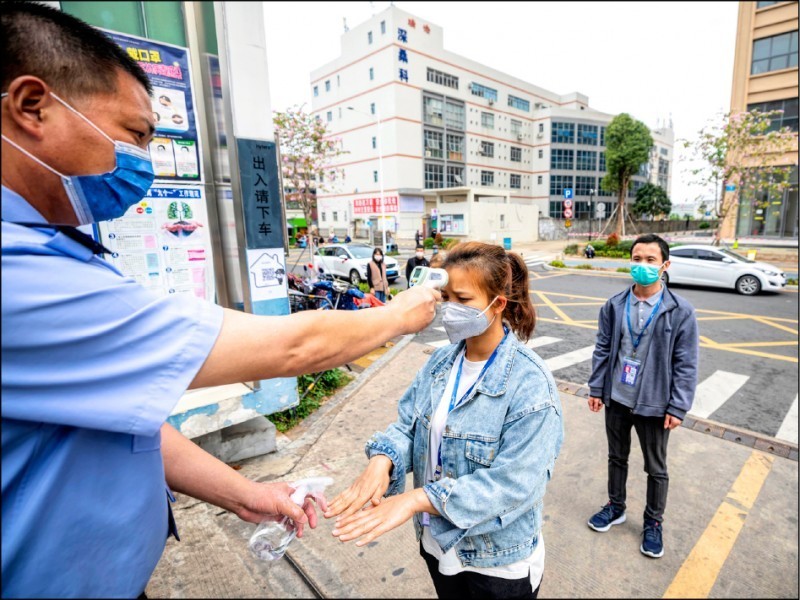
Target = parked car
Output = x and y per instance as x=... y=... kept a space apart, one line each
x=721 y=267
x=349 y=261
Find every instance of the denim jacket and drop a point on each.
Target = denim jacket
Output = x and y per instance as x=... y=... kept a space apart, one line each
x=499 y=447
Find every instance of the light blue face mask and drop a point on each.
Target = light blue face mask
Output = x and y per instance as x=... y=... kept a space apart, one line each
x=461 y=322
x=107 y=195
x=645 y=274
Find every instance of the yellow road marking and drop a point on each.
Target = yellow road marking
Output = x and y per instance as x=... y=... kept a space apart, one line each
x=723 y=318
x=757 y=344
x=775 y=325
x=366 y=360
x=554 y=307
x=716 y=346
x=730 y=314
x=700 y=570
x=573 y=296
x=572 y=324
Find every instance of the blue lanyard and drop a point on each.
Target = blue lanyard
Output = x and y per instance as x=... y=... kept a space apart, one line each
x=650 y=318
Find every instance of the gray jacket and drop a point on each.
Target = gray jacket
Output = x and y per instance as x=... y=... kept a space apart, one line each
x=669 y=371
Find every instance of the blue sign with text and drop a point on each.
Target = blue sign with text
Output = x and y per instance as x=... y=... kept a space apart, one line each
x=567 y=193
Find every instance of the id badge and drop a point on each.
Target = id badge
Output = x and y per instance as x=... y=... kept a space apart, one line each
x=426 y=520
x=630 y=370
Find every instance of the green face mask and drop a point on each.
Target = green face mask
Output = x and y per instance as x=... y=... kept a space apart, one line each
x=645 y=274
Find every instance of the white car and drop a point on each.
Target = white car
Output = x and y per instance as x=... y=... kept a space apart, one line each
x=720 y=267
x=350 y=261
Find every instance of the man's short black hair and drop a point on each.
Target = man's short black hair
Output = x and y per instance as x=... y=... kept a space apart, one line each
x=420 y=247
x=71 y=56
x=652 y=238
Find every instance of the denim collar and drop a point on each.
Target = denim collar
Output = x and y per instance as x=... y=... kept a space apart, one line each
x=496 y=379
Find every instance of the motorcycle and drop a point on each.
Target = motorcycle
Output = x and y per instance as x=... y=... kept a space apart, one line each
x=341 y=295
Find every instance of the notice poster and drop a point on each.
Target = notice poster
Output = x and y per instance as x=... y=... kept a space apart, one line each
x=163 y=242
x=267 y=267
x=175 y=150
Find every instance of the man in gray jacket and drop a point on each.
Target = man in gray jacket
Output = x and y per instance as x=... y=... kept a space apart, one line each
x=644 y=370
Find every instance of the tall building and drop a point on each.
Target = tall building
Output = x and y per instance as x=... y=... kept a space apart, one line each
x=455 y=133
x=765 y=78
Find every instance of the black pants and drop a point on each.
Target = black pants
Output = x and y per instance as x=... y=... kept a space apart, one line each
x=653 y=439
x=475 y=585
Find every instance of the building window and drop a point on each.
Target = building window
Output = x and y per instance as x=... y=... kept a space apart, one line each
x=766 y=4
x=328 y=85
x=374 y=142
x=442 y=78
x=583 y=185
x=541 y=127
x=602 y=136
x=602 y=166
x=335 y=215
x=369 y=37
x=454 y=114
x=455 y=176
x=434 y=144
x=539 y=179
x=563 y=133
x=562 y=159
x=383 y=27
x=487 y=178
x=487 y=149
x=338 y=81
x=316 y=91
x=324 y=220
x=487 y=120
x=330 y=116
x=774 y=53
x=433 y=111
x=515 y=181
x=516 y=154
x=541 y=153
x=587 y=134
x=434 y=176
x=340 y=112
x=665 y=151
x=586 y=160
x=455 y=147
x=372 y=108
x=516 y=129
x=788 y=118
x=375 y=176
x=519 y=103
x=484 y=92
x=371 y=73
x=558 y=183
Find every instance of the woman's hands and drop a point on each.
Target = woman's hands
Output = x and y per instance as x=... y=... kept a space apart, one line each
x=369 y=487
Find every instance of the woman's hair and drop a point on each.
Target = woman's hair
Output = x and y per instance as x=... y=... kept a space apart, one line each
x=377 y=251
x=499 y=273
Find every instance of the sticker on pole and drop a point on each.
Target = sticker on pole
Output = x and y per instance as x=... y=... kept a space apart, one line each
x=267 y=273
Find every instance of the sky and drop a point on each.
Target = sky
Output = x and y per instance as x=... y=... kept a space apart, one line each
x=649 y=59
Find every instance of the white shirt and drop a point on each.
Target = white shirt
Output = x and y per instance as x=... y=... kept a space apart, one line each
x=449 y=564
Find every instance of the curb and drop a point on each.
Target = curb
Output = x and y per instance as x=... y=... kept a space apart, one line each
x=593 y=269
x=751 y=439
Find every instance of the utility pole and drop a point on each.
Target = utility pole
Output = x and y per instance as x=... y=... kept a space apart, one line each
x=591 y=211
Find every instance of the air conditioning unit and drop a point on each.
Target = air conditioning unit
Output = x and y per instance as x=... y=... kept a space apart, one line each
x=519 y=136
x=428 y=154
x=540 y=134
x=491 y=102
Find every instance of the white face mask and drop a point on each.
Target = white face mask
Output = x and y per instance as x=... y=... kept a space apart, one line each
x=461 y=321
x=420 y=255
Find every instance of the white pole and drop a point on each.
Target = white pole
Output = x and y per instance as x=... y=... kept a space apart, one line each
x=380 y=176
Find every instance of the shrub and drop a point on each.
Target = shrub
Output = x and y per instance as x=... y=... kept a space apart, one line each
x=704 y=225
x=448 y=243
x=557 y=263
x=428 y=243
x=791 y=281
x=612 y=240
x=571 y=249
x=583 y=266
x=623 y=270
x=311 y=397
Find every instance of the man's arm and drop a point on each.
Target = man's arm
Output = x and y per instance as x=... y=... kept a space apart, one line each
x=601 y=361
x=251 y=347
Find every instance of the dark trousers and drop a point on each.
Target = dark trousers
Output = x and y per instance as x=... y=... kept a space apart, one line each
x=475 y=585
x=653 y=439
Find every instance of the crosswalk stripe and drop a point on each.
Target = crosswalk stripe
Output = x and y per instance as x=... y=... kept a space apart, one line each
x=563 y=361
x=438 y=328
x=542 y=341
x=439 y=343
x=788 y=430
x=714 y=391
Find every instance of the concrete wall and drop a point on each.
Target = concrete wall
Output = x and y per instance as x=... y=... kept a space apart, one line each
x=554 y=229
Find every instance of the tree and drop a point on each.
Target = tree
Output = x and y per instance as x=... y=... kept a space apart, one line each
x=307 y=151
x=651 y=200
x=628 y=144
x=744 y=150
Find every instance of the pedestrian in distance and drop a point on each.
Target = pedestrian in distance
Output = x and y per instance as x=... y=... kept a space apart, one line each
x=480 y=428
x=418 y=260
x=417 y=238
x=92 y=362
x=376 y=276
x=644 y=371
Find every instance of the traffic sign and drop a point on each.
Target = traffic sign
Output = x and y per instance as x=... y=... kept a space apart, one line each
x=730 y=187
x=567 y=213
x=567 y=203
x=568 y=193
x=601 y=207
x=567 y=223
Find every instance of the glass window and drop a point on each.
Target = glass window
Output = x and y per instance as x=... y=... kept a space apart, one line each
x=328 y=85
x=665 y=151
x=562 y=159
x=556 y=209
x=587 y=134
x=586 y=160
x=454 y=114
x=372 y=108
x=787 y=118
x=487 y=149
x=484 y=92
x=455 y=175
x=335 y=215
x=375 y=176
x=487 y=120
x=516 y=128
x=774 y=53
x=515 y=181
x=663 y=166
x=369 y=37
x=682 y=253
x=374 y=142
x=434 y=144
x=766 y=3
x=434 y=176
x=330 y=116
x=442 y=78
x=487 y=177
x=602 y=166
x=383 y=27
x=558 y=183
x=516 y=154
x=584 y=185
x=371 y=73
x=563 y=133
x=539 y=179
x=316 y=91
x=433 y=111
x=160 y=21
x=602 y=136
x=709 y=255
x=541 y=127
x=338 y=81
x=541 y=153
x=455 y=147
x=519 y=103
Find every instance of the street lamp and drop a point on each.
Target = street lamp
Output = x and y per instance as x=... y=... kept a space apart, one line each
x=591 y=211
x=380 y=172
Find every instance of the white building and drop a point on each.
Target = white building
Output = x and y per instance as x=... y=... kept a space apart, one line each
x=454 y=134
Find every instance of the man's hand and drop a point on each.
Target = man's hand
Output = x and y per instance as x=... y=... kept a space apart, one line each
x=369 y=487
x=595 y=404
x=416 y=307
x=271 y=501
x=671 y=422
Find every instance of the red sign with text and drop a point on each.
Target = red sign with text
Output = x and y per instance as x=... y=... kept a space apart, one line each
x=372 y=206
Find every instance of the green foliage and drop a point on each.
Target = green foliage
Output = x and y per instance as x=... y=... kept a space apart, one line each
x=791 y=281
x=584 y=266
x=428 y=243
x=448 y=243
x=393 y=253
x=652 y=201
x=311 y=397
x=571 y=249
x=557 y=264
x=704 y=225
x=612 y=240
x=623 y=270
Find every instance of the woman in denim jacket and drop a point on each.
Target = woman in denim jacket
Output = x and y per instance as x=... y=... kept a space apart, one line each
x=481 y=456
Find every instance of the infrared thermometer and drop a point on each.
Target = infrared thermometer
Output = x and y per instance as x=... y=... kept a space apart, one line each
x=432 y=278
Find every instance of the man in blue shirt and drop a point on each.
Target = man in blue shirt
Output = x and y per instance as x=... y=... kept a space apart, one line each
x=92 y=363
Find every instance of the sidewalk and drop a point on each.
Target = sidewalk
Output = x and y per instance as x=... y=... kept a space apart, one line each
x=730 y=530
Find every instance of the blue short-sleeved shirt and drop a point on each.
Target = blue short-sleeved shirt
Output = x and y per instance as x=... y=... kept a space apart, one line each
x=92 y=365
